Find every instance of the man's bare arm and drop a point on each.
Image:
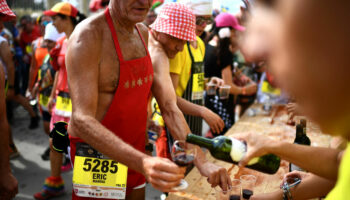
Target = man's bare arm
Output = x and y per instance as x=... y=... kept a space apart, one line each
x=305 y=157
x=6 y=56
x=32 y=72
x=164 y=93
x=8 y=184
x=215 y=122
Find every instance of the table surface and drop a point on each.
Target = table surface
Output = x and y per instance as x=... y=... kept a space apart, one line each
x=259 y=123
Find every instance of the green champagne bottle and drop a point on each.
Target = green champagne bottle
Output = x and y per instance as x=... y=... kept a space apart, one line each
x=232 y=150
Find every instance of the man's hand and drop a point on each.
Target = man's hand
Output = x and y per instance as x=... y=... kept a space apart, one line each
x=216 y=175
x=50 y=104
x=162 y=173
x=293 y=109
x=214 y=121
x=8 y=186
x=257 y=145
x=217 y=81
x=295 y=174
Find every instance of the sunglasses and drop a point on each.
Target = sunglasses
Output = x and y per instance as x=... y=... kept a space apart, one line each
x=202 y=20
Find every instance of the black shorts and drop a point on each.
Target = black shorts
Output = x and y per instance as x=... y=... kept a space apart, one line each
x=46 y=116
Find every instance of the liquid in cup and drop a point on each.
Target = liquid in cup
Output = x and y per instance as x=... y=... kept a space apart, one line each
x=224 y=91
x=211 y=89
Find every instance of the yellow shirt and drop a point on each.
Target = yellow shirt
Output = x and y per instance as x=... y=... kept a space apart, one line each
x=182 y=63
x=341 y=191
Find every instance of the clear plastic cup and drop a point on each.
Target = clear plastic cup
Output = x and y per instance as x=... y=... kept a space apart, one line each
x=222 y=194
x=211 y=89
x=224 y=91
x=236 y=190
x=248 y=184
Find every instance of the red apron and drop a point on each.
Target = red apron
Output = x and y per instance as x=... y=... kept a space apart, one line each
x=127 y=114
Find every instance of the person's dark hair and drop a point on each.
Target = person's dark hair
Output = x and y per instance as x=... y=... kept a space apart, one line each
x=75 y=20
x=223 y=46
x=26 y=17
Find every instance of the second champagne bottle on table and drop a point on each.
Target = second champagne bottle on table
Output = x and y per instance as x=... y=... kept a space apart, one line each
x=232 y=150
x=300 y=138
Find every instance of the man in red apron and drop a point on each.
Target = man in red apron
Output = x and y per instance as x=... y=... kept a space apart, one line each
x=110 y=77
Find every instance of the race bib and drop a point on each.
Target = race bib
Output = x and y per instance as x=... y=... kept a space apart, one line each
x=43 y=100
x=97 y=176
x=197 y=81
x=267 y=88
x=63 y=105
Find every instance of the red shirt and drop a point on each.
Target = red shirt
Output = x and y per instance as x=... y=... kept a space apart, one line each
x=28 y=38
x=25 y=42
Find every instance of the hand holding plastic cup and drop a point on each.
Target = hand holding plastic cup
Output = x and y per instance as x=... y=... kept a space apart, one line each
x=248 y=184
x=224 y=91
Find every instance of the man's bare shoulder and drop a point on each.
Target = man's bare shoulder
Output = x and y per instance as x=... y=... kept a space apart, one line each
x=90 y=31
x=157 y=52
x=143 y=30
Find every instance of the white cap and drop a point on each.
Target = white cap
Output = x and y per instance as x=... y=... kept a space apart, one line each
x=51 y=33
x=200 y=7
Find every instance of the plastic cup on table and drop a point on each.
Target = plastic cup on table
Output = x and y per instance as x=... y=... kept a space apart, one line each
x=211 y=89
x=248 y=184
x=222 y=194
x=224 y=91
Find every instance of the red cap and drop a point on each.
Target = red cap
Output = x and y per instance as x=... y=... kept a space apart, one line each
x=63 y=8
x=6 y=11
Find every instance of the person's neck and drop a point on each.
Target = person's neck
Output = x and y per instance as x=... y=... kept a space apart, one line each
x=122 y=25
x=69 y=31
x=214 y=41
x=194 y=44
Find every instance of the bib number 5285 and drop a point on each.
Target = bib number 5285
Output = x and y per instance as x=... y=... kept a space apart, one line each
x=97 y=165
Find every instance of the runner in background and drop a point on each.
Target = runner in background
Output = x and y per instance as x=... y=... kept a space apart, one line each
x=43 y=87
x=39 y=53
x=65 y=17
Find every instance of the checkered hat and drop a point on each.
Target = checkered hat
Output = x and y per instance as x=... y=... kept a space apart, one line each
x=6 y=11
x=177 y=20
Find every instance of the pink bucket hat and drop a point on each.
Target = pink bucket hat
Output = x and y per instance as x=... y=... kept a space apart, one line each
x=228 y=20
x=177 y=20
x=6 y=11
